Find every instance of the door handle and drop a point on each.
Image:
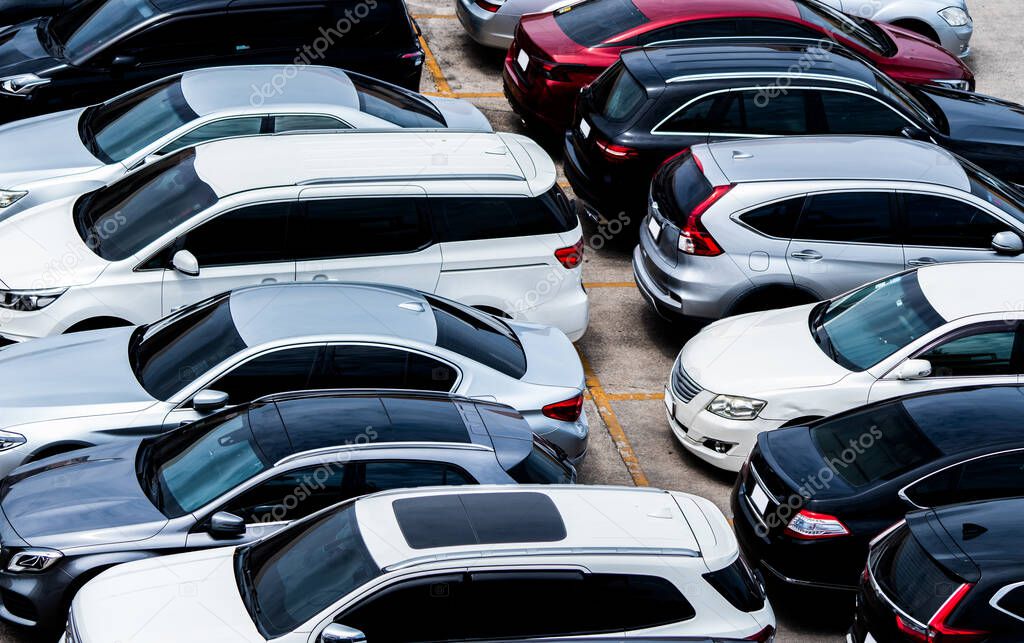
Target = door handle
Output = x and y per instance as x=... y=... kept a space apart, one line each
x=807 y=255
x=923 y=261
x=320 y=278
x=269 y=280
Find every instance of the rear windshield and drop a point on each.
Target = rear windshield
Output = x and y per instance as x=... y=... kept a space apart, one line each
x=541 y=467
x=680 y=187
x=910 y=578
x=592 y=22
x=394 y=105
x=738 y=585
x=478 y=336
x=617 y=95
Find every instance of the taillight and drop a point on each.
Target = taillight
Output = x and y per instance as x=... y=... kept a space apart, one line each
x=566 y=410
x=767 y=635
x=808 y=525
x=488 y=6
x=940 y=632
x=570 y=256
x=694 y=238
x=911 y=630
x=616 y=153
x=567 y=73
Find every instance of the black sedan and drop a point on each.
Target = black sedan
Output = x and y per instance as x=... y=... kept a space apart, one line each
x=14 y=11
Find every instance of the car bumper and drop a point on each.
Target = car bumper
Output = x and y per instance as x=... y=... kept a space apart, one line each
x=35 y=601
x=569 y=311
x=490 y=29
x=957 y=40
x=570 y=437
x=697 y=288
x=547 y=105
x=600 y=202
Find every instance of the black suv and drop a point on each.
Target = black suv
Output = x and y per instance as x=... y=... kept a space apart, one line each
x=101 y=48
x=657 y=101
x=14 y=11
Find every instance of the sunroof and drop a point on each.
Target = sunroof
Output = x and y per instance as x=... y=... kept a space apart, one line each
x=479 y=519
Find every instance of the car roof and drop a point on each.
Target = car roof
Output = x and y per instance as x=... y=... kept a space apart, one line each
x=823 y=158
x=657 y=10
x=958 y=290
x=988 y=532
x=943 y=416
x=216 y=89
x=354 y=156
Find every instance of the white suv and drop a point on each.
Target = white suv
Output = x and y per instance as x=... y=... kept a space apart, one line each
x=449 y=564
x=475 y=217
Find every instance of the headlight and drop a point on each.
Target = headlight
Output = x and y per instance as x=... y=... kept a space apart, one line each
x=29 y=300
x=21 y=84
x=10 y=197
x=33 y=560
x=955 y=16
x=9 y=440
x=733 y=407
x=962 y=85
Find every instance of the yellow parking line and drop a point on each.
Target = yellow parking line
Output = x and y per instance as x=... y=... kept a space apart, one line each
x=634 y=397
x=433 y=16
x=479 y=95
x=610 y=284
x=443 y=88
x=611 y=422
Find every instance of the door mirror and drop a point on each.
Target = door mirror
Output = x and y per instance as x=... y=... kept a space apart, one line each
x=338 y=633
x=913 y=369
x=124 y=61
x=226 y=525
x=915 y=133
x=208 y=400
x=186 y=263
x=1007 y=243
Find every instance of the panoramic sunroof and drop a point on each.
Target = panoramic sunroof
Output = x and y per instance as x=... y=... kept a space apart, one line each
x=479 y=519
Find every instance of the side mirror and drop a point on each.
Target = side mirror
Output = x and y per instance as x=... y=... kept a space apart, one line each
x=1007 y=243
x=124 y=61
x=913 y=369
x=208 y=400
x=226 y=525
x=915 y=133
x=338 y=633
x=186 y=263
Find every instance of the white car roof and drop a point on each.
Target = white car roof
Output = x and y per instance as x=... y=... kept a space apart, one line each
x=217 y=89
x=241 y=164
x=823 y=158
x=958 y=290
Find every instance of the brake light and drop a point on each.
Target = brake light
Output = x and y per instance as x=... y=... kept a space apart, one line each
x=808 y=525
x=616 y=153
x=488 y=6
x=940 y=632
x=566 y=410
x=571 y=256
x=767 y=635
x=694 y=238
x=911 y=630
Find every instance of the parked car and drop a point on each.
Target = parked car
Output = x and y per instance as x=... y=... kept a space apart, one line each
x=947 y=22
x=660 y=100
x=929 y=329
x=492 y=23
x=88 y=147
x=556 y=53
x=752 y=225
x=810 y=498
x=101 y=48
x=15 y=11
x=617 y=561
x=72 y=391
x=276 y=460
x=952 y=574
x=471 y=216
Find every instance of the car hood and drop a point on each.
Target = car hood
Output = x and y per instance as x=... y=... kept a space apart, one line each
x=551 y=359
x=69 y=376
x=759 y=353
x=920 y=60
x=977 y=118
x=86 y=497
x=21 y=52
x=151 y=603
x=461 y=114
x=44 y=147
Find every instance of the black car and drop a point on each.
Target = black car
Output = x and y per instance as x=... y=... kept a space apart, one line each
x=657 y=101
x=102 y=48
x=14 y=11
x=952 y=575
x=810 y=498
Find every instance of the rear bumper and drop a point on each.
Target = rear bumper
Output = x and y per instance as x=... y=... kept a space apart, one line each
x=490 y=29
x=549 y=105
x=599 y=199
x=569 y=312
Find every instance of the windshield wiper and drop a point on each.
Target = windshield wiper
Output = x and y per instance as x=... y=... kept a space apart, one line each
x=818 y=331
x=245 y=582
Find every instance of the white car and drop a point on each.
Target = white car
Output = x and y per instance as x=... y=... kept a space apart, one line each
x=934 y=328
x=475 y=217
x=447 y=564
x=76 y=150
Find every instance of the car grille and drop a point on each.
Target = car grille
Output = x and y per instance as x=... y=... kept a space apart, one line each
x=683 y=385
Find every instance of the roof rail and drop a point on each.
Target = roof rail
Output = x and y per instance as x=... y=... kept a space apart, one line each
x=741 y=40
x=412 y=177
x=519 y=552
x=773 y=75
x=343 y=448
x=363 y=392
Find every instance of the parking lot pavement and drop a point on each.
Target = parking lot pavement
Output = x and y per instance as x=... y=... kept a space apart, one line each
x=628 y=350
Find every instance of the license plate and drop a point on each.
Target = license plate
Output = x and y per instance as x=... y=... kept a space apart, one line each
x=759 y=498
x=584 y=128
x=523 y=60
x=655 y=228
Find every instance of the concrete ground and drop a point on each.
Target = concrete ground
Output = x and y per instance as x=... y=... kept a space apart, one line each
x=628 y=351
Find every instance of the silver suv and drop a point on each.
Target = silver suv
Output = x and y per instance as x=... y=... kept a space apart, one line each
x=752 y=225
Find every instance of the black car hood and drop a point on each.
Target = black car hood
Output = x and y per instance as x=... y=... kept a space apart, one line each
x=22 y=53
x=86 y=497
x=976 y=118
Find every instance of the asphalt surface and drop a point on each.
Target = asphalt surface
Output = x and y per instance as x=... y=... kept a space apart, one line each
x=628 y=351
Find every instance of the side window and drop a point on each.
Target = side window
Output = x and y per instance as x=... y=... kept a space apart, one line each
x=980 y=354
x=1013 y=602
x=475 y=218
x=307 y=123
x=335 y=228
x=775 y=220
x=696 y=118
x=258 y=31
x=382 y=476
x=690 y=29
x=379 y=367
x=942 y=222
x=860 y=217
x=226 y=128
x=250 y=234
x=284 y=370
x=768 y=112
x=778 y=28
x=312 y=488
x=997 y=476
x=847 y=113
x=191 y=38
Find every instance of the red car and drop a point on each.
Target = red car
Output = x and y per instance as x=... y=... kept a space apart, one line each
x=555 y=54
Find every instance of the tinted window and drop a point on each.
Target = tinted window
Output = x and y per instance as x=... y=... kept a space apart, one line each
x=541 y=467
x=291 y=495
x=616 y=94
x=360 y=226
x=696 y=118
x=755 y=27
x=856 y=114
x=938 y=221
x=860 y=217
x=1013 y=602
x=382 y=476
x=395 y=105
x=95 y=24
x=188 y=40
x=911 y=578
x=998 y=476
x=775 y=220
x=594 y=21
x=470 y=218
x=986 y=353
x=479 y=337
x=382 y=368
x=274 y=29
x=225 y=128
x=738 y=585
x=284 y=370
x=761 y=112
x=691 y=29
x=994 y=191
x=679 y=187
x=251 y=234
x=846 y=28
x=306 y=123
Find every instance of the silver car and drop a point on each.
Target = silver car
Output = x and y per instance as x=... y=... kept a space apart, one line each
x=947 y=22
x=78 y=150
x=97 y=387
x=492 y=23
x=751 y=225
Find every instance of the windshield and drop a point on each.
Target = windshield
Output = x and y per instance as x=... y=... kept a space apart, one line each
x=92 y=24
x=479 y=337
x=994 y=191
x=395 y=105
x=115 y=130
x=915 y=104
x=125 y=217
x=185 y=469
x=592 y=22
x=864 y=327
x=292 y=576
x=173 y=352
x=841 y=26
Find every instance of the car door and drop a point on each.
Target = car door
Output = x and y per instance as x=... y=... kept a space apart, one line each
x=940 y=229
x=845 y=239
x=1000 y=475
x=851 y=112
x=244 y=246
x=371 y=366
x=267 y=32
x=219 y=129
x=383 y=475
x=689 y=29
x=765 y=111
x=378 y=234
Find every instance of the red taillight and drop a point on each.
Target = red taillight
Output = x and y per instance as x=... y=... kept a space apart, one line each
x=767 y=635
x=940 y=632
x=488 y=6
x=694 y=238
x=616 y=153
x=571 y=256
x=566 y=410
x=911 y=630
x=809 y=525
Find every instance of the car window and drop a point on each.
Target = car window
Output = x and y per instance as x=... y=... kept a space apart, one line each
x=248 y=235
x=352 y=227
x=689 y=29
x=292 y=495
x=478 y=336
x=911 y=578
x=395 y=105
x=697 y=118
x=616 y=94
x=778 y=28
x=93 y=25
x=307 y=123
x=472 y=218
x=777 y=219
x=355 y=366
x=1013 y=602
x=191 y=39
x=858 y=217
x=541 y=467
x=224 y=128
x=382 y=476
x=283 y=370
x=592 y=22
x=943 y=222
x=766 y=112
x=979 y=354
x=849 y=113
x=996 y=476
x=262 y=30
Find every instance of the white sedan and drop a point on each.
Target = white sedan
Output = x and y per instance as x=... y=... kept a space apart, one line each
x=933 y=328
